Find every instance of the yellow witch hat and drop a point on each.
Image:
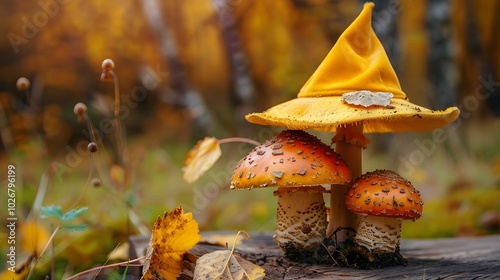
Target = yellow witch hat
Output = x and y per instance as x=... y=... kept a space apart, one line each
x=355 y=84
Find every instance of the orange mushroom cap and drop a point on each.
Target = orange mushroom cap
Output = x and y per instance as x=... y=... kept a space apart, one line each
x=384 y=193
x=293 y=158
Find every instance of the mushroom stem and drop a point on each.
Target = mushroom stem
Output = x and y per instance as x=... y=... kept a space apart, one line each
x=379 y=234
x=300 y=218
x=349 y=143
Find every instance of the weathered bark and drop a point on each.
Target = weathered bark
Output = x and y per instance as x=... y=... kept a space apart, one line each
x=449 y=258
x=454 y=258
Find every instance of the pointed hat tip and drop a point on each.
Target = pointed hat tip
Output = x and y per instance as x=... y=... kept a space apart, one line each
x=369 y=5
x=367 y=10
x=356 y=62
x=366 y=14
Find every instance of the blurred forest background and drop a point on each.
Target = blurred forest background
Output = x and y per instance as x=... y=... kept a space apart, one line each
x=193 y=68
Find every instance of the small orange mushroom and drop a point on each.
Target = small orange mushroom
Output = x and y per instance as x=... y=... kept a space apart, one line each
x=303 y=168
x=383 y=199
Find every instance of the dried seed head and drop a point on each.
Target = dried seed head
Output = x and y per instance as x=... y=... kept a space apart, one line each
x=108 y=64
x=23 y=83
x=80 y=109
x=92 y=147
x=96 y=182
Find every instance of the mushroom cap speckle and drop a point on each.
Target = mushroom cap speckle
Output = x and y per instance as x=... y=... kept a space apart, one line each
x=293 y=158
x=384 y=193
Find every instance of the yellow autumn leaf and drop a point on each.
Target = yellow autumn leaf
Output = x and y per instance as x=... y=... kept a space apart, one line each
x=8 y=274
x=200 y=158
x=172 y=237
x=33 y=237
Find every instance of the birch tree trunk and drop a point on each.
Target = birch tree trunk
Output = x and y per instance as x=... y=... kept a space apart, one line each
x=183 y=93
x=242 y=87
x=440 y=60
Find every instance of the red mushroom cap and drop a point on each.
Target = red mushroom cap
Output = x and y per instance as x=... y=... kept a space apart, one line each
x=384 y=193
x=293 y=158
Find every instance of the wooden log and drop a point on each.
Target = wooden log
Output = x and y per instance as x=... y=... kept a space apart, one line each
x=449 y=258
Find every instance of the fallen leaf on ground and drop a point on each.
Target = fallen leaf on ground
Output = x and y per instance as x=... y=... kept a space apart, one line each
x=213 y=266
x=33 y=237
x=120 y=252
x=200 y=158
x=224 y=265
x=219 y=239
x=9 y=275
x=172 y=237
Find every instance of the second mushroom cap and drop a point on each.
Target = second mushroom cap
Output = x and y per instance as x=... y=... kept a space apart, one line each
x=384 y=193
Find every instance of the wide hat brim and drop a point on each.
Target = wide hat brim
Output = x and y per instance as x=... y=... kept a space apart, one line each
x=329 y=113
x=357 y=65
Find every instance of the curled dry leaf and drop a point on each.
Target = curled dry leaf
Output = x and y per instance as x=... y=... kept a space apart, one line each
x=367 y=98
x=213 y=266
x=172 y=236
x=200 y=158
x=224 y=265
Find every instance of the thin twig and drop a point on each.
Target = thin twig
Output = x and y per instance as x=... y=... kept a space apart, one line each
x=38 y=257
x=328 y=252
x=122 y=149
x=232 y=251
x=84 y=273
x=87 y=183
x=239 y=139
x=40 y=195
